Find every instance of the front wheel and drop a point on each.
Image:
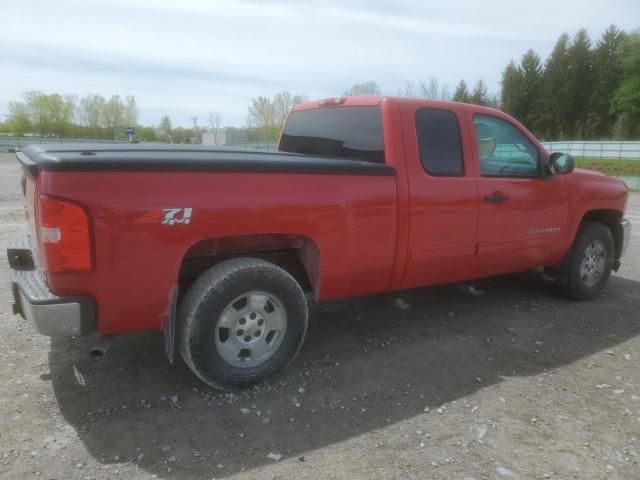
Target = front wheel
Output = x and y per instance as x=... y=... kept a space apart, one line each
x=240 y=322
x=591 y=261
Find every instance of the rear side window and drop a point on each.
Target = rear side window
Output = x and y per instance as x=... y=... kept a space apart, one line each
x=439 y=142
x=347 y=132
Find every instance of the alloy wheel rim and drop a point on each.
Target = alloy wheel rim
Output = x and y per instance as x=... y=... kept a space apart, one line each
x=250 y=329
x=593 y=263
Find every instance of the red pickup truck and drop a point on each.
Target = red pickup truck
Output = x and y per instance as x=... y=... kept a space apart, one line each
x=222 y=248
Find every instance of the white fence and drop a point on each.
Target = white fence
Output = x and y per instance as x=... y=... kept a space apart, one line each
x=7 y=143
x=616 y=150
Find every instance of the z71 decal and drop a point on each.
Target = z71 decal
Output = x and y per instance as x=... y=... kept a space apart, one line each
x=173 y=216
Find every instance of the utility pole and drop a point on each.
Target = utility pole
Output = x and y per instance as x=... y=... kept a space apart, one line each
x=195 y=127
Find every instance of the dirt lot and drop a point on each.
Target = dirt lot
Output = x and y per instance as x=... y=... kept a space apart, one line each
x=432 y=383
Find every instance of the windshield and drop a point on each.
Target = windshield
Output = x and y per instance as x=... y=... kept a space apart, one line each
x=347 y=132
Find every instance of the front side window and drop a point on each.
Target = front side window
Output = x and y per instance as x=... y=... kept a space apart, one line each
x=439 y=142
x=346 y=132
x=503 y=150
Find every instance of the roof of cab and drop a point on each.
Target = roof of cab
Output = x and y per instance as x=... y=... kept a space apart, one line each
x=376 y=100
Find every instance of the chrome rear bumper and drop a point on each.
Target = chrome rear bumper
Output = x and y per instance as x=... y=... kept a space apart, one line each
x=52 y=315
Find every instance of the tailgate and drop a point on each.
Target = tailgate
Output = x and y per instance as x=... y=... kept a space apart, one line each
x=30 y=191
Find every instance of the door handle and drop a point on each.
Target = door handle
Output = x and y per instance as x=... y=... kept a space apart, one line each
x=496 y=197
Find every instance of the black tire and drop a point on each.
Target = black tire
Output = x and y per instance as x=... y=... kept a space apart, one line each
x=576 y=286
x=200 y=311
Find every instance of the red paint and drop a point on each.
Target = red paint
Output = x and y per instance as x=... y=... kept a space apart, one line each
x=356 y=234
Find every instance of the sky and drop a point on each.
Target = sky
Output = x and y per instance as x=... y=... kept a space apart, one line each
x=187 y=58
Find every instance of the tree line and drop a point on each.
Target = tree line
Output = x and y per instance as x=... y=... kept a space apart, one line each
x=581 y=91
x=66 y=116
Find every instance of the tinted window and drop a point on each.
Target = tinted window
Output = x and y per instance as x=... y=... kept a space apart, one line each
x=349 y=132
x=439 y=142
x=503 y=149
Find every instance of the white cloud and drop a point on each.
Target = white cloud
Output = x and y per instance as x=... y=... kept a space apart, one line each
x=187 y=58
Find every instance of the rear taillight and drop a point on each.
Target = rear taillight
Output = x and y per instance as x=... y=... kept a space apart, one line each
x=64 y=235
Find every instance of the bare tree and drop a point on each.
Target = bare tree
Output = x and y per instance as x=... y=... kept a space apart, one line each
x=165 y=128
x=282 y=103
x=130 y=111
x=445 y=94
x=429 y=90
x=365 y=88
x=214 y=124
x=114 y=114
x=410 y=89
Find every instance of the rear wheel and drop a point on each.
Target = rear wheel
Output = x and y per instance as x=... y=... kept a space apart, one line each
x=591 y=261
x=241 y=321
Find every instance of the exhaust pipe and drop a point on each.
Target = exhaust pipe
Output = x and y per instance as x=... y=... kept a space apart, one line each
x=102 y=347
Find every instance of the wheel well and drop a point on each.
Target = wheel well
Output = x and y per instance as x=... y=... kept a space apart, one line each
x=297 y=255
x=610 y=218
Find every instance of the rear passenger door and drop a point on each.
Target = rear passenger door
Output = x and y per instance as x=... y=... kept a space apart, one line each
x=443 y=197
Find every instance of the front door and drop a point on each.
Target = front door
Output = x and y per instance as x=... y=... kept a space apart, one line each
x=522 y=212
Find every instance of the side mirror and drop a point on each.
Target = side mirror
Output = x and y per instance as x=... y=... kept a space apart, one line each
x=560 y=163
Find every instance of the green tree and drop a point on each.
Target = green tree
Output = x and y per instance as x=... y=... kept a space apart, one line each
x=266 y=116
x=263 y=118
x=626 y=100
x=461 y=93
x=182 y=135
x=365 y=88
x=165 y=129
x=479 y=96
x=494 y=102
x=556 y=97
x=146 y=134
x=19 y=121
x=165 y=124
x=607 y=73
x=580 y=79
x=92 y=115
x=44 y=114
x=511 y=88
x=530 y=96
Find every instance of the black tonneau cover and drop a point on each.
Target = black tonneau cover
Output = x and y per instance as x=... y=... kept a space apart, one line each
x=141 y=157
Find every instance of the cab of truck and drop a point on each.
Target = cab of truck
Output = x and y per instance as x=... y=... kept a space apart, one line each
x=483 y=196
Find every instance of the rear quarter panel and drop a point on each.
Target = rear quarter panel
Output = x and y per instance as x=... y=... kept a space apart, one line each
x=350 y=218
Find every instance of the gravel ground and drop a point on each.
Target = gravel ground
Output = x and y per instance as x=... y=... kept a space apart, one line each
x=432 y=383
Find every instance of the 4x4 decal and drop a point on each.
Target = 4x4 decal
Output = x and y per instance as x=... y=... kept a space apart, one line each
x=173 y=216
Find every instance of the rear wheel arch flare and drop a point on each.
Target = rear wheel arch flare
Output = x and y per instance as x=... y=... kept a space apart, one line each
x=297 y=254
